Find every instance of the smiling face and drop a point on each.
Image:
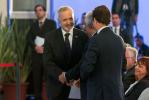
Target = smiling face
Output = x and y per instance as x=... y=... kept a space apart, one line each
x=66 y=19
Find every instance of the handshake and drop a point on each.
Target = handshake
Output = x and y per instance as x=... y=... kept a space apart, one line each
x=63 y=80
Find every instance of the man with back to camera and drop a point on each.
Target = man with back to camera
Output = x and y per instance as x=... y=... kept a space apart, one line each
x=35 y=38
x=101 y=66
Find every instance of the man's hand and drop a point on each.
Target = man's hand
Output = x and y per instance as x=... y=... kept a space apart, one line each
x=77 y=83
x=39 y=49
x=62 y=78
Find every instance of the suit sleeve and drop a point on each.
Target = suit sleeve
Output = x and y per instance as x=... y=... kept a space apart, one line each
x=74 y=73
x=53 y=25
x=51 y=69
x=30 y=38
x=90 y=59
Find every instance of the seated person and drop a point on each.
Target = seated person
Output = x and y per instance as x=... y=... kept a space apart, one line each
x=142 y=80
x=131 y=59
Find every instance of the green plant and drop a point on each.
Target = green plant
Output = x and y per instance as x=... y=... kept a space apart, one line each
x=12 y=46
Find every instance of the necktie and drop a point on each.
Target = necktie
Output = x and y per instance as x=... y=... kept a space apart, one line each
x=40 y=24
x=67 y=47
x=115 y=30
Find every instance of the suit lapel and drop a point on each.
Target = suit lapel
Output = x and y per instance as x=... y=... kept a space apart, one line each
x=60 y=40
x=75 y=40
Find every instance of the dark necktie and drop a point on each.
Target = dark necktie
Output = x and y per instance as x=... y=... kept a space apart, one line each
x=115 y=30
x=67 y=47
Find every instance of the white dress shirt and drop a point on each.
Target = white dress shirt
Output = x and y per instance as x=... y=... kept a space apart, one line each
x=117 y=30
x=70 y=36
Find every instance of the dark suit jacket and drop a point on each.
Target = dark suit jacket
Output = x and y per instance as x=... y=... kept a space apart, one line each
x=136 y=90
x=128 y=78
x=74 y=74
x=102 y=65
x=125 y=35
x=49 y=25
x=144 y=50
x=54 y=57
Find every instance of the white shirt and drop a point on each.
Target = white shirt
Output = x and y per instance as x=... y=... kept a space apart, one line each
x=99 y=30
x=41 y=22
x=70 y=36
x=131 y=86
x=117 y=30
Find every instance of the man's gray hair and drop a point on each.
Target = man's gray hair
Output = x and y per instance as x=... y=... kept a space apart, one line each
x=134 y=51
x=65 y=8
x=88 y=20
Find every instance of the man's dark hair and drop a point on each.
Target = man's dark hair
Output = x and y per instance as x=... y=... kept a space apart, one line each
x=138 y=36
x=115 y=13
x=39 y=5
x=102 y=14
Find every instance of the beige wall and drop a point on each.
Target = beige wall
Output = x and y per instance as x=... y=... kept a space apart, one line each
x=3 y=10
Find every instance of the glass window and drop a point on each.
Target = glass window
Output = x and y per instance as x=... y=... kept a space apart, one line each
x=26 y=5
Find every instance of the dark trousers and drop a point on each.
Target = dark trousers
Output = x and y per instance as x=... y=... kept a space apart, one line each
x=37 y=69
x=60 y=96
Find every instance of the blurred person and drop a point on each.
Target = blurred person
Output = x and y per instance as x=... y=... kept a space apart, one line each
x=89 y=28
x=141 y=79
x=131 y=59
x=63 y=50
x=128 y=10
x=36 y=36
x=81 y=25
x=118 y=29
x=143 y=49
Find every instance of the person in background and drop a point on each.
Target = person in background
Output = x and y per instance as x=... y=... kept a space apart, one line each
x=36 y=38
x=89 y=28
x=131 y=59
x=63 y=50
x=128 y=11
x=82 y=24
x=141 y=79
x=143 y=49
x=118 y=29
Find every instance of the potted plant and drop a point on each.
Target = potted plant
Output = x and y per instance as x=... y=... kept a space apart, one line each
x=12 y=46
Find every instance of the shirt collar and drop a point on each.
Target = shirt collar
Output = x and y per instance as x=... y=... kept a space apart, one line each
x=42 y=20
x=99 y=30
x=118 y=27
x=71 y=31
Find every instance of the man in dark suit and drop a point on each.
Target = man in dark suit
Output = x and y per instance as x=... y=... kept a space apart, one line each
x=118 y=29
x=101 y=66
x=63 y=50
x=128 y=10
x=143 y=49
x=74 y=73
x=35 y=38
